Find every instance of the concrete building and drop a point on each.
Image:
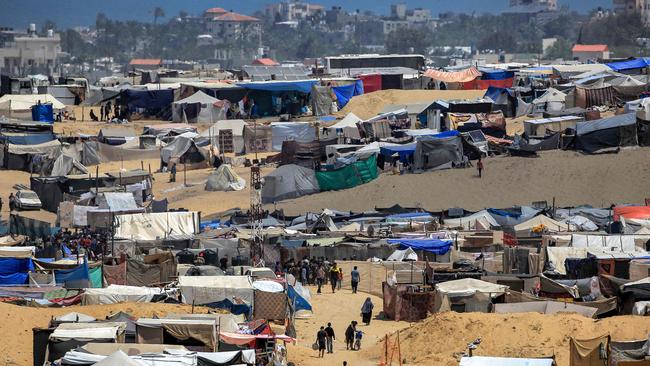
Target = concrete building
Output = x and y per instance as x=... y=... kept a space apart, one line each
x=586 y=52
x=293 y=10
x=23 y=53
x=398 y=11
x=394 y=25
x=234 y=27
x=532 y=6
x=634 y=6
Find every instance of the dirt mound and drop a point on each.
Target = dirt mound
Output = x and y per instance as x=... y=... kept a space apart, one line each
x=369 y=105
x=442 y=338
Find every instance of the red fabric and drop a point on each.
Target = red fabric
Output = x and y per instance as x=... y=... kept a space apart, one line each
x=68 y=301
x=371 y=83
x=484 y=84
x=509 y=239
x=115 y=275
x=632 y=212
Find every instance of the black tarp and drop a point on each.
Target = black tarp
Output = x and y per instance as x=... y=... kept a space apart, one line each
x=606 y=134
x=391 y=82
x=433 y=153
x=643 y=132
x=526 y=147
x=20 y=225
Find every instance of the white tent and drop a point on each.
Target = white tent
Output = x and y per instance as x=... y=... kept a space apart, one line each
x=115 y=294
x=225 y=179
x=481 y=220
x=200 y=290
x=407 y=254
x=469 y=287
x=348 y=126
x=197 y=108
x=552 y=100
x=20 y=106
x=542 y=224
x=234 y=126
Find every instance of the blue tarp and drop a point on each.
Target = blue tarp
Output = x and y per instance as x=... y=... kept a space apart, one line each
x=494 y=211
x=346 y=92
x=13 y=271
x=299 y=301
x=75 y=277
x=226 y=304
x=435 y=246
x=303 y=86
x=442 y=135
x=35 y=138
x=491 y=74
x=149 y=99
x=408 y=215
x=638 y=63
x=43 y=113
x=405 y=151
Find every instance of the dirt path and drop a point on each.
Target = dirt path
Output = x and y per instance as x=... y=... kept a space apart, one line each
x=340 y=309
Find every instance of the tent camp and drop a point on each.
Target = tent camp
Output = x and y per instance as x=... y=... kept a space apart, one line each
x=481 y=220
x=155 y=331
x=606 y=134
x=541 y=224
x=198 y=108
x=552 y=100
x=66 y=165
x=539 y=127
x=289 y=181
x=114 y=294
x=438 y=153
x=29 y=158
x=228 y=135
x=225 y=179
x=201 y=290
x=69 y=336
x=20 y=106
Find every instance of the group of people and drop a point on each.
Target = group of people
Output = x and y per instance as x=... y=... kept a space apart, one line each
x=67 y=243
x=320 y=272
x=326 y=336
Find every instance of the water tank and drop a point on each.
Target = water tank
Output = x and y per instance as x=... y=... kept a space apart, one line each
x=50 y=33
x=32 y=28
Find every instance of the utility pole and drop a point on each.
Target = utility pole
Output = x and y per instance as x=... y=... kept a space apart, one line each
x=256 y=217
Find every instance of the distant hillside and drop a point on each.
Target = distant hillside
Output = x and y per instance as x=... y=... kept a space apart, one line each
x=71 y=13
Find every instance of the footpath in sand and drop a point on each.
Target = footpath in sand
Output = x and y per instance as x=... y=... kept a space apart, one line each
x=340 y=309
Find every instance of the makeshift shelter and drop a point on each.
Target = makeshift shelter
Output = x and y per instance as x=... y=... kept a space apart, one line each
x=541 y=224
x=20 y=106
x=545 y=307
x=228 y=135
x=606 y=134
x=344 y=93
x=225 y=179
x=185 y=150
x=69 y=336
x=347 y=127
x=116 y=135
x=352 y=175
x=598 y=93
x=542 y=126
x=428 y=246
x=30 y=158
x=148 y=102
x=480 y=220
x=438 y=153
x=284 y=97
x=66 y=165
x=588 y=352
x=407 y=254
x=466 y=295
x=204 y=290
x=258 y=138
x=198 y=108
x=155 y=226
x=403 y=304
x=287 y=182
x=295 y=131
x=198 y=331
x=464 y=76
x=114 y=294
x=551 y=100
x=321 y=100
x=168 y=129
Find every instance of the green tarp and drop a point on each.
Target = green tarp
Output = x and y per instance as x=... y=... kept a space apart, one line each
x=95 y=275
x=357 y=173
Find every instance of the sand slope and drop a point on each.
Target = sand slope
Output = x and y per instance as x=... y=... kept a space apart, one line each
x=369 y=105
x=441 y=338
x=572 y=178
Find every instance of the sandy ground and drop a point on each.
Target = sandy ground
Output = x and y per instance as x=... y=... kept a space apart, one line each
x=442 y=338
x=16 y=324
x=340 y=309
x=572 y=178
x=369 y=105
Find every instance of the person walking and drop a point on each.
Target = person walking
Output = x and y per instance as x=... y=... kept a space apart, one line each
x=349 y=335
x=321 y=339
x=331 y=337
x=366 y=311
x=172 y=175
x=355 y=278
x=339 y=280
x=320 y=277
x=479 y=166
x=334 y=276
x=12 y=202
x=303 y=274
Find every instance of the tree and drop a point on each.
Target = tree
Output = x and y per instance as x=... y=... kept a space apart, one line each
x=158 y=12
x=561 y=49
x=408 y=40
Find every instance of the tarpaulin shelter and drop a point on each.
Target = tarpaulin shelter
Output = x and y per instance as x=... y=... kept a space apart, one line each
x=541 y=224
x=116 y=135
x=438 y=153
x=491 y=78
x=345 y=92
x=154 y=331
x=322 y=98
x=15 y=271
x=114 y=294
x=152 y=270
x=540 y=127
x=628 y=65
x=480 y=220
x=69 y=336
x=464 y=76
x=274 y=97
x=66 y=165
x=225 y=179
x=347 y=127
x=30 y=158
x=155 y=226
x=198 y=108
x=352 y=175
x=551 y=100
x=404 y=152
x=156 y=103
x=470 y=286
x=596 y=94
x=299 y=297
x=20 y=106
x=168 y=129
x=631 y=212
x=606 y=134
x=294 y=131
x=545 y=307
x=403 y=304
x=228 y=135
x=435 y=246
x=26 y=138
x=200 y=290
x=258 y=138
x=185 y=150
x=589 y=352
x=371 y=82
x=289 y=181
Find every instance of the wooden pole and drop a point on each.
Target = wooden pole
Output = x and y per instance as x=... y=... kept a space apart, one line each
x=184 y=174
x=386 y=349
x=399 y=350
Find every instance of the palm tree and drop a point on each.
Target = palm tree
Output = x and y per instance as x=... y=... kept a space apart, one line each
x=158 y=12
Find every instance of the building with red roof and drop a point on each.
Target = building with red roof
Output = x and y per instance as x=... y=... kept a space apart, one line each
x=213 y=12
x=145 y=63
x=230 y=25
x=586 y=52
x=265 y=62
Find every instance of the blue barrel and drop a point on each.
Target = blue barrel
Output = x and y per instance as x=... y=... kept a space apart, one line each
x=43 y=113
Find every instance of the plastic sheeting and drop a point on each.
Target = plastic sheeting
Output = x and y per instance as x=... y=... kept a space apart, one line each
x=225 y=179
x=438 y=153
x=155 y=226
x=346 y=92
x=454 y=77
x=14 y=271
x=502 y=361
x=357 y=173
x=114 y=294
x=469 y=287
x=294 y=131
x=289 y=181
x=435 y=246
x=209 y=289
x=301 y=86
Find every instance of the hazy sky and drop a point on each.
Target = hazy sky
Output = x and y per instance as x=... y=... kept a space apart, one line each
x=65 y=13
